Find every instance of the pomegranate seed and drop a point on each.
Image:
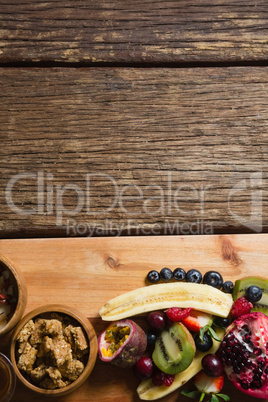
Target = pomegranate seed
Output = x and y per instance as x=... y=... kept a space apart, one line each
x=237 y=369
x=255 y=384
x=261 y=362
x=248 y=363
x=245 y=385
x=247 y=338
x=257 y=351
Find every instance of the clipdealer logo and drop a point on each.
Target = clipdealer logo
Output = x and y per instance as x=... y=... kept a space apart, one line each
x=168 y=200
x=254 y=186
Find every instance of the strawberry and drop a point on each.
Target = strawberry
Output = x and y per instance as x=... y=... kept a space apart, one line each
x=196 y=320
x=240 y=307
x=208 y=385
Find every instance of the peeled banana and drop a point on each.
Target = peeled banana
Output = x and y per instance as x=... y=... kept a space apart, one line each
x=149 y=392
x=164 y=295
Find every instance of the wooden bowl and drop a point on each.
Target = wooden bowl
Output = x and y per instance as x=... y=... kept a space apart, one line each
x=20 y=288
x=7 y=379
x=89 y=332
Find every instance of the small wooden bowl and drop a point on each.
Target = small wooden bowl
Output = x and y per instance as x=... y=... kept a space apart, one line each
x=89 y=331
x=19 y=283
x=7 y=379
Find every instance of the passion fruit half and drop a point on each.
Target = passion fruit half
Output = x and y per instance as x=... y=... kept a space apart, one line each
x=122 y=343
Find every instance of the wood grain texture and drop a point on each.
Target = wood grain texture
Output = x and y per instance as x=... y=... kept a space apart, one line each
x=133 y=31
x=113 y=151
x=80 y=273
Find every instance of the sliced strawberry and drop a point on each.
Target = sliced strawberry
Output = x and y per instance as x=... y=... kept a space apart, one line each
x=197 y=320
x=209 y=385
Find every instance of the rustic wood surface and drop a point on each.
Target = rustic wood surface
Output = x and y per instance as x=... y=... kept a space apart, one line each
x=103 y=31
x=154 y=122
x=85 y=273
x=133 y=151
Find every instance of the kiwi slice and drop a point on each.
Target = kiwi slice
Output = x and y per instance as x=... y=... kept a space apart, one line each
x=241 y=286
x=174 y=349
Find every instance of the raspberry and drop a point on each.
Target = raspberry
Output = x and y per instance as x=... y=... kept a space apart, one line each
x=161 y=378
x=168 y=379
x=240 y=307
x=178 y=314
x=158 y=378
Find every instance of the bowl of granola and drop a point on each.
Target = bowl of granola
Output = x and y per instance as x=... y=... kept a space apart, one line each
x=53 y=349
x=13 y=295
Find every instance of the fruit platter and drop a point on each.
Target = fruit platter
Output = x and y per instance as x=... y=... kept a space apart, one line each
x=178 y=318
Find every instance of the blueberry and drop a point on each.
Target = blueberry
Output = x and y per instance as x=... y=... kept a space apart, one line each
x=205 y=344
x=151 y=338
x=253 y=294
x=166 y=274
x=153 y=276
x=193 y=275
x=221 y=322
x=213 y=278
x=179 y=274
x=228 y=287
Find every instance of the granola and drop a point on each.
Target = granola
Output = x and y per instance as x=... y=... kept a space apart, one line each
x=52 y=350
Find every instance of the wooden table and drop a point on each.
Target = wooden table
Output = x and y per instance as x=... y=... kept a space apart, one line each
x=86 y=273
x=133 y=118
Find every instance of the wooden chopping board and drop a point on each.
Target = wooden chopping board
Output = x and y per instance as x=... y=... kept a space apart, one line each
x=87 y=272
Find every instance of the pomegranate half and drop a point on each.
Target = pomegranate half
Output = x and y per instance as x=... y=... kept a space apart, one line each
x=244 y=354
x=122 y=343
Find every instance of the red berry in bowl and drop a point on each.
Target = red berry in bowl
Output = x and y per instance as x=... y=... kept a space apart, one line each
x=144 y=368
x=212 y=365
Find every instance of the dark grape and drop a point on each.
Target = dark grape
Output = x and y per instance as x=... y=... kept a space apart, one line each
x=144 y=368
x=157 y=320
x=212 y=365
